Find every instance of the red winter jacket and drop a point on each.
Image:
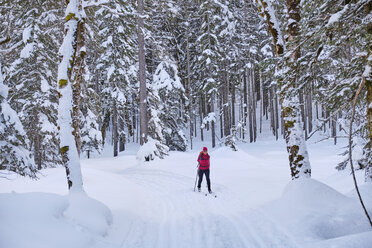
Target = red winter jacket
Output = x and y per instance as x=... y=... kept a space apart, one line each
x=203 y=161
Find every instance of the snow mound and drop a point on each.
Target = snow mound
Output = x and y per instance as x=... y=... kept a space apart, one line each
x=313 y=211
x=88 y=213
x=38 y=220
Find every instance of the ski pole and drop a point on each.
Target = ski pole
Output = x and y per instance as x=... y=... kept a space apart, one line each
x=197 y=173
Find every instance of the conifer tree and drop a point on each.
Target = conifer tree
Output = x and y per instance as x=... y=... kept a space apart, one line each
x=14 y=155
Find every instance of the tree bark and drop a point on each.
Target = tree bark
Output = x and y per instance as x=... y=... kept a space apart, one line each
x=293 y=132
x=115 y=139
x=66 y=75
x=245 y=99
x=213 y=129
x=368 y=82
x=77 y=79
x=188 y=89
x=233 y=105
x=122 y=136
x=296 y=146
x=142 y=75
x=225 y=96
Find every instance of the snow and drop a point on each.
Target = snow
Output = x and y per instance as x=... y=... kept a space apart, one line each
x=336 y=17
x=38 y=220
x=3 y=88
x=107 y=42
x=367 y=71
x=153 y=203
x=26 y=34
x=27 y=50
x=166 y=76
x=11 y=117
x=44 y=86
x=29 y=47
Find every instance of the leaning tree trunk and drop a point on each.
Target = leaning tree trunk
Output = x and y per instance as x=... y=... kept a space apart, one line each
x=66 y=76
x=142 y=75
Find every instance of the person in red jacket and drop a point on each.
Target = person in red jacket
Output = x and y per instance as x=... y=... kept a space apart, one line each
x=204 y=163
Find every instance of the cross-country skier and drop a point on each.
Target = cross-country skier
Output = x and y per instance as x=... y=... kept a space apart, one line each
x=204 y=163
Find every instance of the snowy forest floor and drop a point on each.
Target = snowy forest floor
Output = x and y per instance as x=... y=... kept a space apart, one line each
x=153 y=204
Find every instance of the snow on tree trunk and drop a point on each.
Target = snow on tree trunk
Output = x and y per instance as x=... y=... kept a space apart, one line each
x=68 y=52
x=266 y=10
x=293 y=131
x=142 y=75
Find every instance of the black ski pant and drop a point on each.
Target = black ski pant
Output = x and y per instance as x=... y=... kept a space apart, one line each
x=200 y=174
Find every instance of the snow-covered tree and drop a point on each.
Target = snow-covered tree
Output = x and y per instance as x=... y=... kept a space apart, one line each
x=67 y=75
x=167 y=84
x=14 y=155
x=31 y=75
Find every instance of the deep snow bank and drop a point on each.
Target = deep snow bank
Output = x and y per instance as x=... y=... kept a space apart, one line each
x=314 y=212
x=37 y=220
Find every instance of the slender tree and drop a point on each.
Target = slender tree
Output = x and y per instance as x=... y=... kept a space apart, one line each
x=142 y=74
x=67 y=75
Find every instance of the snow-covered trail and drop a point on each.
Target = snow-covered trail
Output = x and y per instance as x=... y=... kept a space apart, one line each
x=154 y=205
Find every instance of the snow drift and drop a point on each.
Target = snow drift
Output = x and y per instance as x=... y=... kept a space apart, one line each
x=38 y=220
x=315 y=212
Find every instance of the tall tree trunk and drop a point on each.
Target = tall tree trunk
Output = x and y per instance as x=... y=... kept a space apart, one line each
x=122 y=136
x=310 y=108
x=142 y=75
x=368 y=173
x=276 y=106
x=77 y=79
x=115 y=139
x=250 y=107
x=220 y=107
x=37 y=156
x=293 y=132
x=368 y=82
x=261 y=102
x=245 y=97
x=66 y=75
x=233 y=105
x=296 y=146
x=201 y=114
x=213 y=129
x=225 y=96
x=188 y=89
x=254 y=105
x=272 y=109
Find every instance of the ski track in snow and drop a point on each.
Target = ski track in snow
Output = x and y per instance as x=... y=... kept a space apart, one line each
x=175 y=216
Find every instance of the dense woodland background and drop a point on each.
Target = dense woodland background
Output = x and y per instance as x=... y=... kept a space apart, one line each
x=211 y=69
